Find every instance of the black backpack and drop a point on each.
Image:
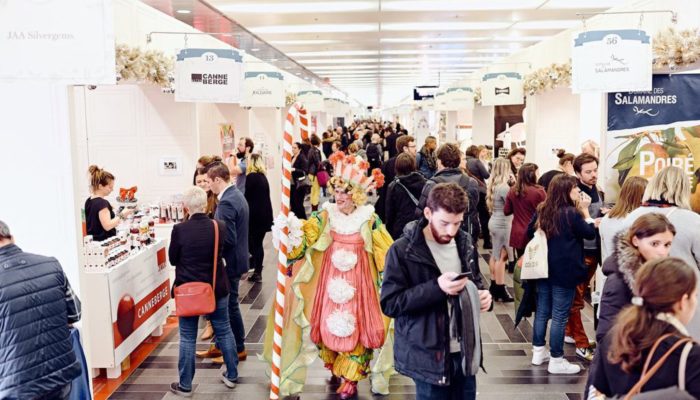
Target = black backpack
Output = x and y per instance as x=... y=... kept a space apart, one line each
x=373 y=153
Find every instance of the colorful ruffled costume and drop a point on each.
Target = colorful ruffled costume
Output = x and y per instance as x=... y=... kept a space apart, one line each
x=332 y=299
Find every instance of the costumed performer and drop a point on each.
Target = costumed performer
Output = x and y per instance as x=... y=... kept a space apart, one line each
x=332 y=300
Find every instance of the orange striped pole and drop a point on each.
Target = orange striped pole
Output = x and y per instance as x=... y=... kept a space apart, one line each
x=296 y=112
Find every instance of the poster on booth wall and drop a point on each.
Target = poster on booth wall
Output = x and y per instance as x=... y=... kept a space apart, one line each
x=139 y=292
x=263 y=89
x=650 y=130
x=228 y=147
x=208 y=75
x=501 y=89
x=37 y=46
x=611 y=61
x=311 y=99
x=509 y=129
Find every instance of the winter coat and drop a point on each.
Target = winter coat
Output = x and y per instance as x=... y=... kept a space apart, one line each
x=522 y=208
x=36 y=352
x=399 y=205
x=471 y=217
x=411 y=295
x=479 y=171
x=389 y=172
x=619 y=269
x=257 y=193
x=426 y=162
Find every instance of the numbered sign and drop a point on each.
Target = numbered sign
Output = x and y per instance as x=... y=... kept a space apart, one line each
x=263 y=89
x=459 y=98
x=311 y=99
x=611 y=61
x=208 y=75
x=502 y=88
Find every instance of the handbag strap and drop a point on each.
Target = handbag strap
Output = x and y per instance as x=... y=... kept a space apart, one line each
x=216 y=251
x=646 y=376
x=413 y=198
x=682 y=364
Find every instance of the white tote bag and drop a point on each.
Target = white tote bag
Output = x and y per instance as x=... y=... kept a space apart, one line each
x=535 y=265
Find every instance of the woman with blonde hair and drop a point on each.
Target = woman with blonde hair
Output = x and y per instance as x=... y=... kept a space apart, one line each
x=630 y=198
x=100 y=220
x=499 y=226
x=257 y=193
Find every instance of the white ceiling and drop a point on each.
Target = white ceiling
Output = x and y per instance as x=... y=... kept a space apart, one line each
x=377 y=51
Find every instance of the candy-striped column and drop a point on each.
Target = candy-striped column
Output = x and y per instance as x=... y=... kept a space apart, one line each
x=296 y=112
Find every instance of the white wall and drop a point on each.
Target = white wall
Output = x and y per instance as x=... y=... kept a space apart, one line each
x=127 y=129
x=265 y=131
x=552 y=121
x=483 y=125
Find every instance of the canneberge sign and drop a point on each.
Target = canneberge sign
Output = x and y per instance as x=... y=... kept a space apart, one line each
x=208 y=75
x=611 y=61
x=501 y=89
x=36 y=45
x=263 y=89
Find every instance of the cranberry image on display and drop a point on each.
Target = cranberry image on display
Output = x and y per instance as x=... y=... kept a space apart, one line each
x=126 y=314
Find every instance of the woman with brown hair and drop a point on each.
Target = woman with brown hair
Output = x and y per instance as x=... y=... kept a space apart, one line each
x=664 y=302
x=565 y=220
x=521 y=202
x=202 y=181
x=202 y=162
x=517 y=158
x=649 y=238
x=100 y=219
x=566 y=166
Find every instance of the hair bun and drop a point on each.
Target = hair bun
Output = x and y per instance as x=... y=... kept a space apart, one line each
x=561 y=153
x=94 y=169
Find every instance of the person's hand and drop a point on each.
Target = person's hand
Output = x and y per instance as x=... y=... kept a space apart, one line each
x=596 y=222
x=485 y=299
x=126 y=212
x=584 y=202
x=449 y=286
x=604 y=210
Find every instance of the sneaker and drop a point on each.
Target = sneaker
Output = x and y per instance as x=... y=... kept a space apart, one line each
x=228 y=382
x=540 y=355
x=175 y=388
x=585 y=352
x=569 y=340
x=560 y=365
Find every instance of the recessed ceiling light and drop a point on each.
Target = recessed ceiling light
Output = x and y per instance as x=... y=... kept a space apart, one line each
x=340 y=67
x=255 y=49
x=426 y=51
x=316 y=28
x=272 y=60
x=299 y=7
x=547 y=24
x=435 y=39
x=495 y=51
x=302 y=42
x=515 y=38
x=336 y=53
x=183 y=11
x=581 y=4
x=338 y=61
x=443 y=26
x=459 y=5
x=298 y=73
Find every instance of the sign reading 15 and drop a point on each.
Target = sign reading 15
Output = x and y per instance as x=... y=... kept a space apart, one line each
x=209 y=57
x=612 y=40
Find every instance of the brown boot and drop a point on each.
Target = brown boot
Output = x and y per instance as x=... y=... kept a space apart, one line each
x=243 y=355
x=213 y=352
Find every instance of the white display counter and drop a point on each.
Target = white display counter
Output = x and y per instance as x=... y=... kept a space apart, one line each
x=126 y=304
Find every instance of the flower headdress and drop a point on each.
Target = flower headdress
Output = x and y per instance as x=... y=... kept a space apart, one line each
x=350 y=173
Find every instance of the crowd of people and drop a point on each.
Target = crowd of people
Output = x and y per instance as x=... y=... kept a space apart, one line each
x=398 y=281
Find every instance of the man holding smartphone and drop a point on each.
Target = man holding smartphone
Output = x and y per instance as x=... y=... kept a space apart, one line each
x=433 y=289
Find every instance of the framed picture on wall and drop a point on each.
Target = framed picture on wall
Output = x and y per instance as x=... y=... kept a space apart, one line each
x=170 y=166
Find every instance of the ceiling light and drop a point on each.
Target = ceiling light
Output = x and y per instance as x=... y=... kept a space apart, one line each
x=255 y=49
x=581 y=4
x=338 y=61
x=434 y=40
x=426 y=51
x=272 y=60
x=183 y=11
x=437 y=59
x=299 y=7
x=495 y=50
x=336 y=53
x=443 y=26
x=341 y=67
x=298 y=73
x=302 y=42
x=459 y=5
x=519 y=38
x=316 y=28
x=547 y=24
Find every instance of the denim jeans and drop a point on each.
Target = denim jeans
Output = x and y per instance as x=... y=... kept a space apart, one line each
x=224 y=340
x=553 y=302
x=461 y=387
x=234 y=315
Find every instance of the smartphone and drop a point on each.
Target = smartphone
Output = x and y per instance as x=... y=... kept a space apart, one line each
x=461 y=276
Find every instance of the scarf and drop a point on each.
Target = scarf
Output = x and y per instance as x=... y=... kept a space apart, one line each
x=672 y=320
x=464 y=324
x=430 y=158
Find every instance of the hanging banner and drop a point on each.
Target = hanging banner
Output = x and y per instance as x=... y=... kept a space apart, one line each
x=311 y=99
x=263 y=89
x=502 y=88
x=650 y=130
x=333 y=106
x=459 y=98
x=440 y=101
x=208 y=75
x=47 y=41
x=611 y=61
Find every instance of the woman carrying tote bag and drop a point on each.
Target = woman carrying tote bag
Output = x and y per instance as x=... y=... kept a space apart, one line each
x=194 y=251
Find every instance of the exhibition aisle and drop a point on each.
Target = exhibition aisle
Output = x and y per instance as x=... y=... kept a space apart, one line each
x=507 y=355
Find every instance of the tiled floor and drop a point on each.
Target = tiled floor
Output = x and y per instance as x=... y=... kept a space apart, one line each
x=507 y=353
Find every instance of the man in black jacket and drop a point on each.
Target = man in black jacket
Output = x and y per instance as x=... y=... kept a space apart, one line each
x=37 y=305
x=404 y=144
x=419 y=292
